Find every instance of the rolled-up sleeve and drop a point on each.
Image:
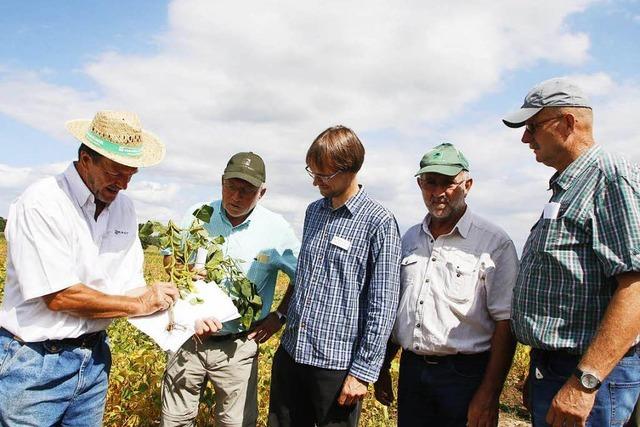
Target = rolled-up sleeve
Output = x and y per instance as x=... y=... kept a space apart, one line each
x=616 y=226
x=382 y=301
x=500 y=281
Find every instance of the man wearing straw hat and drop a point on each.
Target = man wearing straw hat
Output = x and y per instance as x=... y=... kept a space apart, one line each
x=577 y=296
x=74 y=263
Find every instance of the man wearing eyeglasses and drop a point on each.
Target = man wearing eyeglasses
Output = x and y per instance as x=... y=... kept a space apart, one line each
x=264 y=243
x=345 y=295
x=457 y=275
x=577 y=297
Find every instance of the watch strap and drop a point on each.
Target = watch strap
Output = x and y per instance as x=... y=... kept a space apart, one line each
x=580 y=374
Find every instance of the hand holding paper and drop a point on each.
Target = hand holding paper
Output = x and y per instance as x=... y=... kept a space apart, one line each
x=216 y=305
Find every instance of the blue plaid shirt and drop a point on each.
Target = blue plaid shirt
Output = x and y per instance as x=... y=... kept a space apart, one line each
x=346 y=287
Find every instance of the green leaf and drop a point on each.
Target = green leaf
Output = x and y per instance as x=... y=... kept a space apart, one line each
x=204 y=213
x=245 y=289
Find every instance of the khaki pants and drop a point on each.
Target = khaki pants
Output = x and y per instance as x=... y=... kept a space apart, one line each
x=231 y=366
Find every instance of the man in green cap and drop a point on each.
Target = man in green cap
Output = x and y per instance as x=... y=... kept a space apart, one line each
x=457 y=275
x=264 y=243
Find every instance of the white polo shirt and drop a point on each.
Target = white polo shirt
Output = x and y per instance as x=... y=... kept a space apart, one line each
x=54 y=242
x=454 y=288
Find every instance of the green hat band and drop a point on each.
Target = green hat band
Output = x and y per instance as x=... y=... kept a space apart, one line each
x=111 y=147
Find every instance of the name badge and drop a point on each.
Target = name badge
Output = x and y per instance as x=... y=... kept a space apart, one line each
x=341 y=243
x=551 y=210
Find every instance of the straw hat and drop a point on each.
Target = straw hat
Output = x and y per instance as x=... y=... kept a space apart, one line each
x=118 y=136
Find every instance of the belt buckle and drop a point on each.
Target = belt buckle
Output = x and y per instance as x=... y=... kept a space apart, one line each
x=429 y=361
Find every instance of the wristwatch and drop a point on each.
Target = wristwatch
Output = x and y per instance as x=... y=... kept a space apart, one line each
x=588 y=380
x=281 y=317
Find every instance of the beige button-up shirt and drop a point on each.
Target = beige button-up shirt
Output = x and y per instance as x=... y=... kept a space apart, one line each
x=454 y=288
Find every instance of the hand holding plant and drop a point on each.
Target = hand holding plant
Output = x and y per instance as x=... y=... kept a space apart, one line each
x=218 y=268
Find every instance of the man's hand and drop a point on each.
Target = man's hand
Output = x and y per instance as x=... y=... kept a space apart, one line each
x=265 y=329
x=353 y=390
x=483 y=409
x=158 y=296
x=571 y=405
x=206 y=327
x=383 y=388
x=526 y=402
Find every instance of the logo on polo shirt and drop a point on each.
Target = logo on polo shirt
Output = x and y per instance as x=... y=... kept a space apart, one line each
x=117 y=232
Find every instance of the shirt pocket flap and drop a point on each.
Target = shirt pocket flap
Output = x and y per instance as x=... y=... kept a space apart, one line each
x=408 y=260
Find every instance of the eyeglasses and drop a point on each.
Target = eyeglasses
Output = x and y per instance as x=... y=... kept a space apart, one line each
x=323 y=178
x=531 y=127
x=430 y=184
x=243 y=191
x=126 y=173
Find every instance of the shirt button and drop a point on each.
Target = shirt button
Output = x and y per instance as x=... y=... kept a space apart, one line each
x=302 y=325
x=433 y=259
x=418 y=325
x=421 y=302
x=417 y=347
x=458 y=275
x=431 y=240
x=426 y=280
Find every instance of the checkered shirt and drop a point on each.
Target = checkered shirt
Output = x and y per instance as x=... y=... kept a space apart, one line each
x=345 y=294
x=568 y=268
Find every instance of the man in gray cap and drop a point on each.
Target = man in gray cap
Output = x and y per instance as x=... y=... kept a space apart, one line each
x=577 y=296
x=457 y=276
x=263 y=243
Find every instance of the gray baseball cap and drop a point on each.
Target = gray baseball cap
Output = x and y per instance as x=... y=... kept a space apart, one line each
x=247 y=166
x=556 y=92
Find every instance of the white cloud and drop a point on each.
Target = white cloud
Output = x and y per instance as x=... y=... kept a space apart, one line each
x=269 y=76
x=597 y=84
x=13 y=180
x=152 y=192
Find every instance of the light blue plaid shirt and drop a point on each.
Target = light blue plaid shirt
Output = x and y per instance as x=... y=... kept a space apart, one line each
x=346 y=289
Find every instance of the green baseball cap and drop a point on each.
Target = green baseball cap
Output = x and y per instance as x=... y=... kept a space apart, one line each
x=444 y=159
x=247 y=166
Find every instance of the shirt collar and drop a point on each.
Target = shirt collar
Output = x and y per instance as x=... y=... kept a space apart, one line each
x=79 y=190
x=462 y=226
x=563 y=179
x=353 y=204
x=243 y=224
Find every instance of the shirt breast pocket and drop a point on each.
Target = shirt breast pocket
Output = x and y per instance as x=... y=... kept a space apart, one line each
x=462 y=280
x=409 y=270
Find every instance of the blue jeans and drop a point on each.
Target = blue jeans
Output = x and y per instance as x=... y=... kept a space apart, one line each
x=549 y=370
x=50 y=383
x=436 y=391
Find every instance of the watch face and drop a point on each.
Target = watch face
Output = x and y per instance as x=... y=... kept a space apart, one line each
x=589 y=381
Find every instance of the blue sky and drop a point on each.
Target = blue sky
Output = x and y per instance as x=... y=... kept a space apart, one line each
x=212 y=78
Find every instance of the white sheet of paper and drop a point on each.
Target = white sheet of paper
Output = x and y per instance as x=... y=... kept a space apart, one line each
x=216 y=304
x=551 y=210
